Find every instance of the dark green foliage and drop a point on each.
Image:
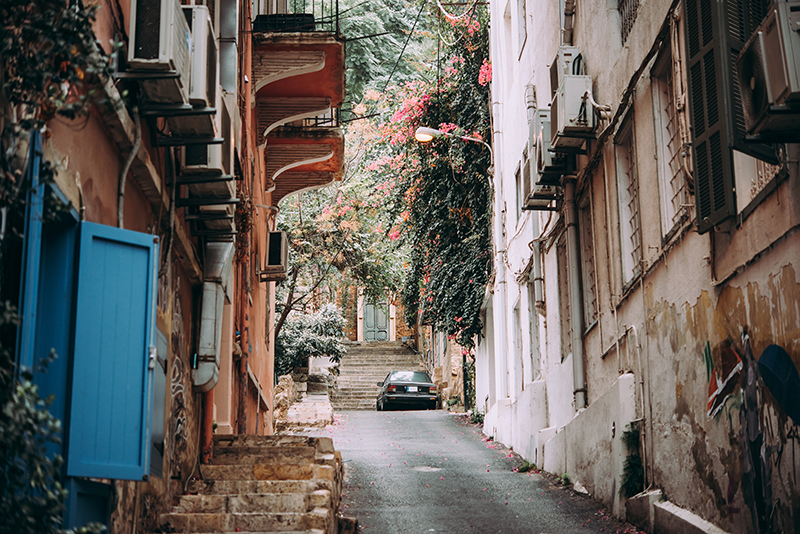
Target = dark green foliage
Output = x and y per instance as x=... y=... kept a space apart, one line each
x=632 y=469
x=309 y=334
x=469 y=383
x=449 y=198
x=371 y=57
x=31 y=495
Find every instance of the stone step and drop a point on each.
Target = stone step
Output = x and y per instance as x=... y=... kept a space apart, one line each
x=254 y=502
x=321 y=444
x=246 y=455
x=268 y=471
x=319 y=518
x=311 y=531
x=237 y=487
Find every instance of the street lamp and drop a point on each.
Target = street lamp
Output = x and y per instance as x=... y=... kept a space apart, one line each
x=426 y=135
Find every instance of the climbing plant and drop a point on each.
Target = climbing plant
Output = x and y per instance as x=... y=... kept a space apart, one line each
x=441 y=195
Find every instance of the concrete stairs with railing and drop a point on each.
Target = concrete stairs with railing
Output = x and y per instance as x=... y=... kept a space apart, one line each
x=366 y=364
x=263 y=484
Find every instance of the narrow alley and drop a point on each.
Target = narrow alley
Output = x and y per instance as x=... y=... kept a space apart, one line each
x=432 y=471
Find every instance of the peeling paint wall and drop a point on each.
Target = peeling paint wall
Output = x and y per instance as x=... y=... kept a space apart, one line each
x=728 y=453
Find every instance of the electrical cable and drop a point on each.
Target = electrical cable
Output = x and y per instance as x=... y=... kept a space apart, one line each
x=410 y=34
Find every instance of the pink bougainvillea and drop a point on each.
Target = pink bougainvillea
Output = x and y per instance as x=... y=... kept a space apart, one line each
x=485 y=75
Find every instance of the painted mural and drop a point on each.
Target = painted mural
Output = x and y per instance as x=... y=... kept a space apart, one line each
x=761 y=395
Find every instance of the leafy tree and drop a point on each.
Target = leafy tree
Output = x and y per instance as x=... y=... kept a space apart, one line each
x=337 y=240
x=307 y=335
x=387 y=38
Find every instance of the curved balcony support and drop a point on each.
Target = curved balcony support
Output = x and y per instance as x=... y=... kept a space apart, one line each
x=275 y=112
x=292 y=183
x=280 y=64
x=283 y=157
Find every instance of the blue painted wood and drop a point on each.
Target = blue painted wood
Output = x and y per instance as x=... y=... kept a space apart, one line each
x=55 y=317
x=114 y=316
x=28 y=298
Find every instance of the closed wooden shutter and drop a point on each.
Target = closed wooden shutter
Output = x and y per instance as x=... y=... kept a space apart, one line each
x=716 y=30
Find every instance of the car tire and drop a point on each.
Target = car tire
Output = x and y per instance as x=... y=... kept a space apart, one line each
x=378 y=407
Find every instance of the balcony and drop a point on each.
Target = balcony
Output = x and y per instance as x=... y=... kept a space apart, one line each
x=301 y=158
x=298 y=76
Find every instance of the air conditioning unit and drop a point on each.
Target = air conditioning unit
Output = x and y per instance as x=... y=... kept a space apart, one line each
x=277 y=261
x=572 y=113
x=205 y=57
x=211 y=161
x=769 y=72
x=160 y=40
x=549 y=166
x=541 y=197
x=567 y=62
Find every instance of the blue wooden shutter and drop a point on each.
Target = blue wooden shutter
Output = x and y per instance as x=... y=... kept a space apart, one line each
x=28 y=298
x=115 y=307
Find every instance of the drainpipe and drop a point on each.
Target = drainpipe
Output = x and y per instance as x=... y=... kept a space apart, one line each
x=575 y=301
x=499 y=308
x=538 y=279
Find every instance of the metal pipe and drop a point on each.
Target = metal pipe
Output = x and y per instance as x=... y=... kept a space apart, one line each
x=575 y=301
x=137 y=141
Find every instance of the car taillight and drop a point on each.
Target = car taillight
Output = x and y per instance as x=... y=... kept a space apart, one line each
x=432 y=389
x=391 y=388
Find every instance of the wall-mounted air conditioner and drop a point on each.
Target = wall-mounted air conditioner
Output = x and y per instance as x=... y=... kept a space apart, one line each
x=160 y=40
x=769 y=72
x=212 y=161
x=541 y=197
x=572 y=113
x=277 y=261
x=567 y=62
x=205 y=57
x=549 y=166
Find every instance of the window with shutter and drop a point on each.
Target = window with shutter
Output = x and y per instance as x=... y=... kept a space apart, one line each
x=716 y=31
x=114 y=312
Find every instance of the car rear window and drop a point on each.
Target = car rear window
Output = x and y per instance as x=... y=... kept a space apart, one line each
x=410 y=376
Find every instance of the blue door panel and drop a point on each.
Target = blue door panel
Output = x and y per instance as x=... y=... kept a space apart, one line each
x=28 y=298
x=54 y=317
x=108 y=431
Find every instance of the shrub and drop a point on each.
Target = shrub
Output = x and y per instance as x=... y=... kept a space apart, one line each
x=306 y=335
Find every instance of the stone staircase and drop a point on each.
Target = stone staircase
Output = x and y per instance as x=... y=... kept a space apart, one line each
x=264 y=484
x=366 y=364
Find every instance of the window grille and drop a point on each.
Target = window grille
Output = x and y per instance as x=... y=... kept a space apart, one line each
x=587 y=264
x=672 y=179
x=628 y=10
x=533 y=315
x=630 y=228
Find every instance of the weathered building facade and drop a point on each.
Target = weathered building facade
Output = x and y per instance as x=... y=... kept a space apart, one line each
x=647 y=239
x=155 y=283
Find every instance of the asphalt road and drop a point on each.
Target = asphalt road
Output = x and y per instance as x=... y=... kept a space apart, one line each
x=430 y=471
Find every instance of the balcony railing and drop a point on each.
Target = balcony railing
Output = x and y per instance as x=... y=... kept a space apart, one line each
x=326 y=120
x=298 y=16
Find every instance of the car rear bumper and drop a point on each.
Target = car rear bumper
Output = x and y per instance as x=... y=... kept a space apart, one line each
x=409 y=399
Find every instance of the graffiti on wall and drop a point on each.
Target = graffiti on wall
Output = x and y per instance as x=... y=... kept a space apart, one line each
x=739 y=382
x=177 y=421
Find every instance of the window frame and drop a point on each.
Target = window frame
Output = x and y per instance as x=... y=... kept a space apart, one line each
x=624 y=140
x=662 y=74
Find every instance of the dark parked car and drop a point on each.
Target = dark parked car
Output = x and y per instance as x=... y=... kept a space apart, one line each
x=406 y=389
